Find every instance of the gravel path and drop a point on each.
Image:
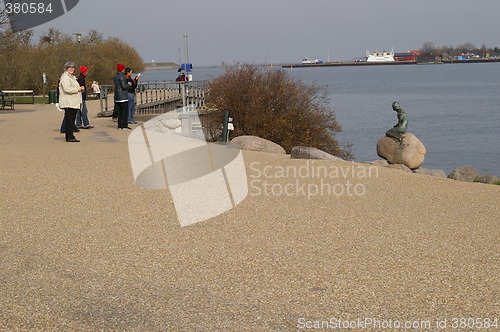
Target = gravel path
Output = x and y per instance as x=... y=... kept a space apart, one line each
x=83 y=248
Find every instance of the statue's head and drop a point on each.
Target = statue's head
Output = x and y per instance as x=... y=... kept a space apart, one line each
x=395 y=106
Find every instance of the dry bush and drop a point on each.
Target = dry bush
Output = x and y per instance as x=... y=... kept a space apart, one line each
x=268 y=103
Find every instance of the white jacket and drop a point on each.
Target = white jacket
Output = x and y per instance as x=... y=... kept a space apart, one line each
x=69 y=94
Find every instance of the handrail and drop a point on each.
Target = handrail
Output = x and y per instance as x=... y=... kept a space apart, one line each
x=147 y=93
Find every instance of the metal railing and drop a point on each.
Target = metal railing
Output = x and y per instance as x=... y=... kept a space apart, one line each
x=160 y=97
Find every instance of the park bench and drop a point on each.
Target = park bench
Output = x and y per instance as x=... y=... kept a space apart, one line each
x=93 y=96
x=6 y=102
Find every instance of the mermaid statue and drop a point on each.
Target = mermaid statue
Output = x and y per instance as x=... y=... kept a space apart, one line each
x=399 y=129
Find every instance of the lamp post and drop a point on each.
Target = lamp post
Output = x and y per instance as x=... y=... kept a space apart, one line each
x=186 y=48
x=78 y=40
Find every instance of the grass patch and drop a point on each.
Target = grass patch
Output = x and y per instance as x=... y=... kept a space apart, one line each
x=29 y=100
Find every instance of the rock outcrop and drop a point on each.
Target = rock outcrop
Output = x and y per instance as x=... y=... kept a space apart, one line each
x=487 y=178
x=410 y=151
x=433 y=172
x=400 y=167
x=380 y=163
x=255 y=143
x=464 y=173
x=305 y=152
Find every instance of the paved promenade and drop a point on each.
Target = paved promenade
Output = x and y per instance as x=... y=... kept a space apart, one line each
x=82 y=248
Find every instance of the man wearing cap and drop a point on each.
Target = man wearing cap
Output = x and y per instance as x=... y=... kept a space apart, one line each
x=121 y=97
x=82 y=120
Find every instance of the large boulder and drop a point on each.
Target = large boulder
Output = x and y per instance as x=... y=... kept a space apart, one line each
x=433 y=172
x=410 y=151
x=464 y=173
x=305 y=152
x=380 y=163
x=399 y=166
x=487 y=178
x=255 y=143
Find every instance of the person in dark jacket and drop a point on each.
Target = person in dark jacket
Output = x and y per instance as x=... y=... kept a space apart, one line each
x=131 y=94
x=121 y=97
x=82 y=119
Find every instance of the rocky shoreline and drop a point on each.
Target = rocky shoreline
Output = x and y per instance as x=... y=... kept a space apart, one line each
x=462 y=173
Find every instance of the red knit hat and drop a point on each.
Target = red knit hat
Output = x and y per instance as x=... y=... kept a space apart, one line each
x=84 y=70
x=120 y=67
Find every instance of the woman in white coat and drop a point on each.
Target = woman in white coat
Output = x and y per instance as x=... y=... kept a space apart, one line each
x=70 y=98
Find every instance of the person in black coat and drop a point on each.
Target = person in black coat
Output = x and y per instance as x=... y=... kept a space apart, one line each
x=121 y=97
x=131 y=94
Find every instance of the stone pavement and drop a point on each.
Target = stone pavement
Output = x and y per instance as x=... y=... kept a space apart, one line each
x=83 y=248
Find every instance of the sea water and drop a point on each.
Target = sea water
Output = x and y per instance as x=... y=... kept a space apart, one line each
x=454 y=109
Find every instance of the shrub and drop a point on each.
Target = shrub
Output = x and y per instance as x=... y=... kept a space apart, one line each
x=267 y=103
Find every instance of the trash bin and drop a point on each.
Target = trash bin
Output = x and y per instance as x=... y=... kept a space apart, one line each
x=52 y=96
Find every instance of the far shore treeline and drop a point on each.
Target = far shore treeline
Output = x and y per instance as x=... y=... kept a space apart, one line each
x=23 y=61
x=429 y=51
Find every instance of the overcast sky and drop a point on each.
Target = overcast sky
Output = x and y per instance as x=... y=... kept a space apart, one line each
x=282 y=31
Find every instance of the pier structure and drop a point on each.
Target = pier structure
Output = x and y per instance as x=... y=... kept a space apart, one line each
x=385 y=63
x=159 y=97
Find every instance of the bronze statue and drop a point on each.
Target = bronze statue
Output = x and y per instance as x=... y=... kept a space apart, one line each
x=399 y=129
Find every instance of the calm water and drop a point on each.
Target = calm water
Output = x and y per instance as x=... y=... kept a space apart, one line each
x=454 y=109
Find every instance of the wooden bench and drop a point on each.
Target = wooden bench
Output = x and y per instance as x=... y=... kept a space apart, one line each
x=6 y=102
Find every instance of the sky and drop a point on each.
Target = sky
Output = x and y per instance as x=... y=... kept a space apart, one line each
x=281 y=31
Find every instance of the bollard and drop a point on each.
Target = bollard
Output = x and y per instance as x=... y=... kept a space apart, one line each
x=225 y=127
x=52 y=96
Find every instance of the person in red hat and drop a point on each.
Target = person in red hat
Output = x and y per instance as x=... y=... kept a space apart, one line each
x=82 y=119
x=121 y=97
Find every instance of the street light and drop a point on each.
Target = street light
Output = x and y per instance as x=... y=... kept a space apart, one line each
x=186 y=48
x=78 y=40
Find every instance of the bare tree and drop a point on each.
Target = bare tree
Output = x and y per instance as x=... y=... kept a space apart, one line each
x=466 y=47
x=93 y=37
x=428 y=47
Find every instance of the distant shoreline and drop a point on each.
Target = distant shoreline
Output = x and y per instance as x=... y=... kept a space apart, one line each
x=388 y=63
x=339 y=64
x=161 y=67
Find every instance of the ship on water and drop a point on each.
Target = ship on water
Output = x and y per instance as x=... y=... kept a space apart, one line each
x=380 y=56
x=307 y=61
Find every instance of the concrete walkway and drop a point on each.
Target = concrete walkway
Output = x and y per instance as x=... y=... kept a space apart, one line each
x=82 y=248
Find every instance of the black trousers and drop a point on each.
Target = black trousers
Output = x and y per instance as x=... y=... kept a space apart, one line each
x=122 y=112
x=70 y=114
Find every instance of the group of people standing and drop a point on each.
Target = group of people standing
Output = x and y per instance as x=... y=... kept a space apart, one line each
x=72 y=97
x=125 y=87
